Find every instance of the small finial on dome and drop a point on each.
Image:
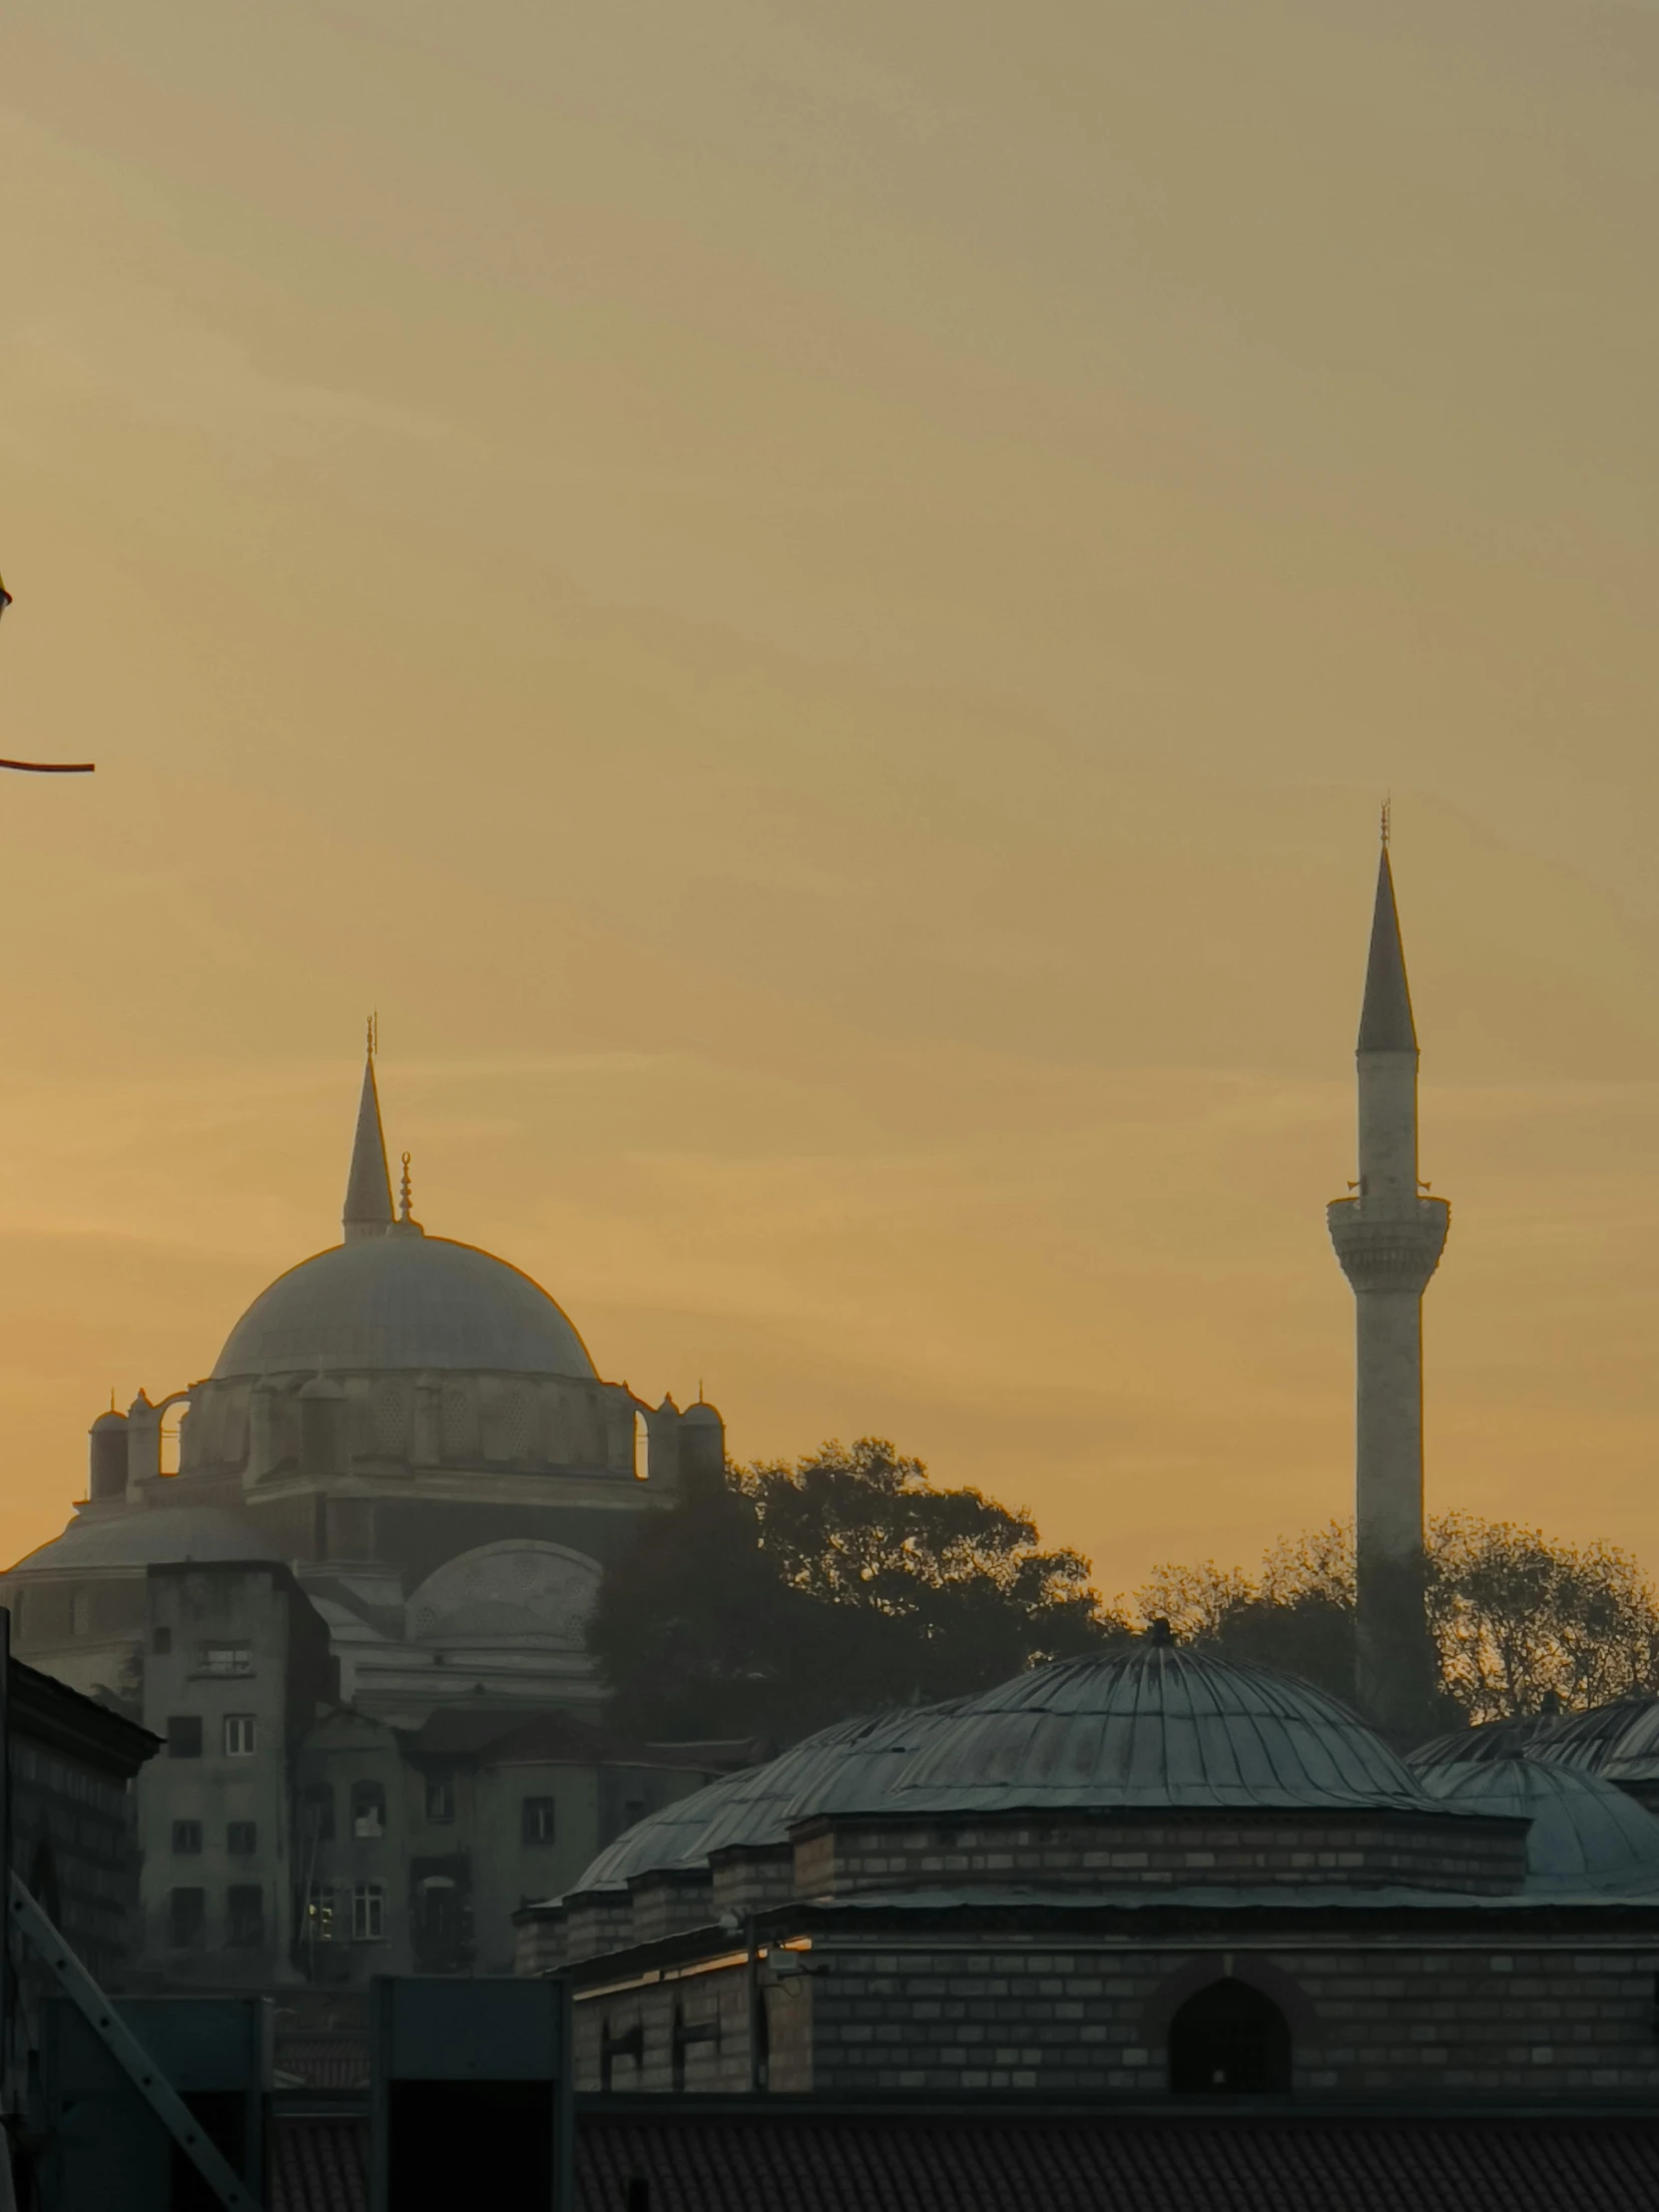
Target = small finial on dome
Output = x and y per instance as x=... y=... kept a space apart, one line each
x=1158 y=1631
x=408 y=1192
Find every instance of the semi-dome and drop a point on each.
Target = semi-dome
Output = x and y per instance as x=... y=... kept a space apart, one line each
x=162 y=1536
x=1584 y=1831
x=402 y=1300
x=1160 y=1725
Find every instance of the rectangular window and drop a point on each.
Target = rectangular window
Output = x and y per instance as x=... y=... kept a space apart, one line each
x=187 y=1838
x=186 y=1919
x=247 y=1914
x=224 y=1659
x=368 y=1812
x=241 y=1839
x=368 y=1911
x=184 y=1736
x=318 y=1813
x=238 y=1735
x=440 y=1799
x=538 y=1820
x=319 y=1915
x=162 y=1641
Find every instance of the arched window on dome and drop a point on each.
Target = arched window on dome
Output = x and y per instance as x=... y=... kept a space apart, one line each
x=1228 y=2039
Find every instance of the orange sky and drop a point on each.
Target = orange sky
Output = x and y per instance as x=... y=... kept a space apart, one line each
x=816 y=603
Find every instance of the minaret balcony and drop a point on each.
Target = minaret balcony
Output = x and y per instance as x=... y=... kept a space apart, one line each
x=1393 y=1251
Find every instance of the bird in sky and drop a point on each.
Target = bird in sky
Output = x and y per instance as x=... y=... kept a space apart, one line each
x=43 y=768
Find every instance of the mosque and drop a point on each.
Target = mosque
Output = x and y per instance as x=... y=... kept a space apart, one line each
x=355 y=1614
x=1128 y=1879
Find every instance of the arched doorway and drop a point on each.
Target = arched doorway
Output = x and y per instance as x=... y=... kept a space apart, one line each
x=1228 y=2039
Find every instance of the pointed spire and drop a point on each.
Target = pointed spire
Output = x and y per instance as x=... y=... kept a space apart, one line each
x=368 y=1187
x=1385 y=1024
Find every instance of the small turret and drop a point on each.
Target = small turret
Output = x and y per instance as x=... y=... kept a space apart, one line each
x=106 y=1458
x=702 y=1442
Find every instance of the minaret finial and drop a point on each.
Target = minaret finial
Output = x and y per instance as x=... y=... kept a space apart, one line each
x=1388 y=818
x=368 y=1209
x=407 y=1193
x=373 y=1025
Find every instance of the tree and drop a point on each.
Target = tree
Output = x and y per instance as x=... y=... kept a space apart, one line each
x=1517 y=1617
x=792 y=1596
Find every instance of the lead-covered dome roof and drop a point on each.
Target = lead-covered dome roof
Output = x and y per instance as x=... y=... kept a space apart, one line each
x=402 y=1300
x=1619 y=1741
x=1586 y=1832
x=852 y=1762
x=1161 y=1725
x=1157 y=1726
x=162 y=1536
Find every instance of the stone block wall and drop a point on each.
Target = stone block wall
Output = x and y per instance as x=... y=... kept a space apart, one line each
x=1465 y=2021
x=838 y=1856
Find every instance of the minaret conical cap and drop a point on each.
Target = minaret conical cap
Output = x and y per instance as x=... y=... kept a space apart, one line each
x=1385 y=1024
x=368 y=1209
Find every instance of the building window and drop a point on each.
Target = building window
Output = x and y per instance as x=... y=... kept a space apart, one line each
x=368 y=1911
x=440 y=1799
x=187 y=1917
x=162 y=1642
x=184 y=1736
x=1230 y=2040
x=318 y=1813
x=224 y=1659
x=319 y=1915
x=368 y=1812
x=539 y=1821
x=241 y=1839
x=238 y=1735
x=187 y=1838
x=247 y=1914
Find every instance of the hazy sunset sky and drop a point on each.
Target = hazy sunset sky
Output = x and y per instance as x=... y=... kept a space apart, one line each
x=815 y=603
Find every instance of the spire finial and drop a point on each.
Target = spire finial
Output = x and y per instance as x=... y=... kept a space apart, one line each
x=1388 y=818
x=367 y=1210
x=372 y=1026
x=408 y=1192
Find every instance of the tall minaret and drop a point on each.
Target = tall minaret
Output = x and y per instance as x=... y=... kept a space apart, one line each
x=1389 y=1240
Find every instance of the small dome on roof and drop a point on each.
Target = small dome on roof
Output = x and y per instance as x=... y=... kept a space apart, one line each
x=162 y=1536
x=111 y=1419
x=850 y=1762
x=702 y=1414
x=402 y=1300
x=1585 y=1833
x=1619 y=1741
x=1516 y=1737
x=1159 y=1724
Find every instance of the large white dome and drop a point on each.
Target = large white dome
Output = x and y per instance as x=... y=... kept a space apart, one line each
x=402 y=1300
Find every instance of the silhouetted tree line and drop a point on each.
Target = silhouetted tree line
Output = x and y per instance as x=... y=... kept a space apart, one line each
x=785 y=1597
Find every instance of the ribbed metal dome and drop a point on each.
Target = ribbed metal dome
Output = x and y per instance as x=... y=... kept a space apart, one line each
x=852 y=1762
x=1518 y=1737
x=1619 y=1742
x=1586 y=1832
x=1158 y=1726
x=403 y=1301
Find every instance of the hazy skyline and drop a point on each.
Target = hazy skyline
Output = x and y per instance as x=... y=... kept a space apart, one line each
x=816 y=607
